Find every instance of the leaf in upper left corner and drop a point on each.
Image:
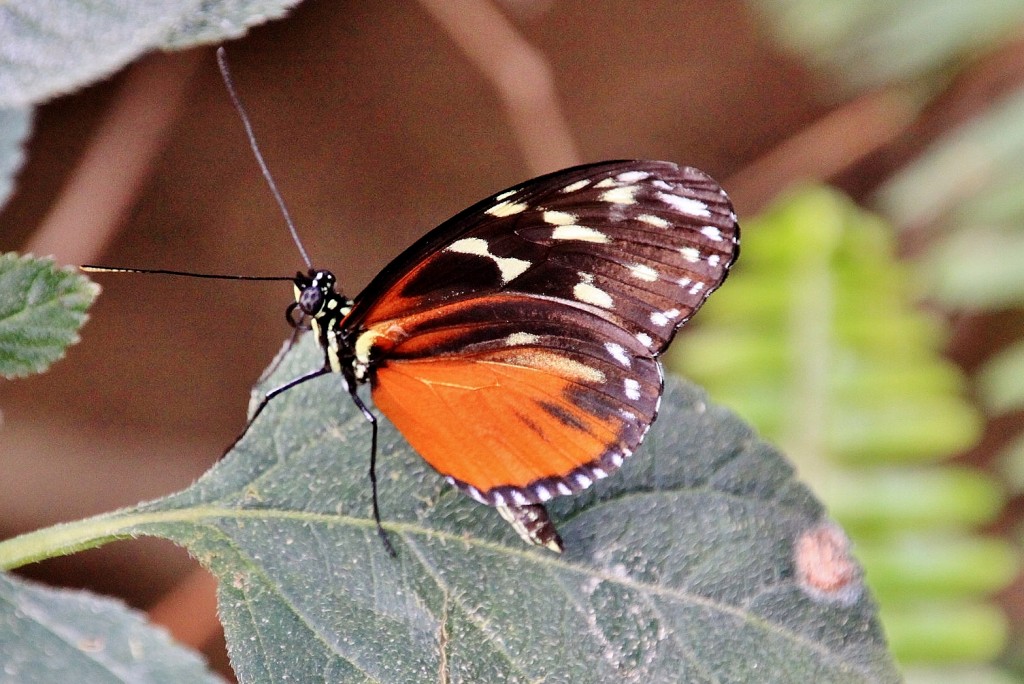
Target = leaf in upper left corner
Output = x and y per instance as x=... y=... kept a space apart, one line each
x=42 y=307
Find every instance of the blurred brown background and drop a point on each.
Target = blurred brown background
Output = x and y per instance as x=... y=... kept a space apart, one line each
x=378 y=120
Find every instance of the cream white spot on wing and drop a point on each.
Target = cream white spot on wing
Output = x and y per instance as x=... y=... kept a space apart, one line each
x=580 y=233
x=606 y=183
x=583 y=481
x=508 y=267
x=691 y=254
x=617 y=460
x=618 y=353
x=686 y=205
x=643 y=272
x=653 y=220
x=505 y=195
x=684 y=282
x=558 y=218
x=644 y=339
x=542 y=492
x=519 y=338
x=506 y=209
x=632 y=388
x=578 y=185
x=632 y=176
x=712 y=233
x=661 y=185
x=697 y=287
x=555 y=364
x=713 y=260
x=588 y=293
x=519 y=498
x=663 y=318
x=624 y=195
x=563 y=488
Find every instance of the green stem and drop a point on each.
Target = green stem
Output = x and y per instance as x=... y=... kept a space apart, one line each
x=66 y=538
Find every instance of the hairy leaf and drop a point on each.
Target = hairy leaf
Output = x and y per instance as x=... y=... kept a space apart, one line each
x=15 y=124
x=49 y=47
x=53 y=635
x=41 y=309
x=702 y=560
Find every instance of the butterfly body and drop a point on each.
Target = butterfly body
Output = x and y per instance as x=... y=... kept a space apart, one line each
x=516 y=345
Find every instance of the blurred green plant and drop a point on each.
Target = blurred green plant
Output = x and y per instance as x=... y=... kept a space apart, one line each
x=816 y=340
x=872 y=42
x=967 y=190
x=961 y=201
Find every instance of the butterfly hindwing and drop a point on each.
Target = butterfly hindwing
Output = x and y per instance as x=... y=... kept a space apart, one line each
x=516 y=345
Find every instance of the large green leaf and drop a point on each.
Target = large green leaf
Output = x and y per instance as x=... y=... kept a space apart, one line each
x=48 y=47
x=41 y=309
x=702 y=560
x=15 y=124
x=50 y=635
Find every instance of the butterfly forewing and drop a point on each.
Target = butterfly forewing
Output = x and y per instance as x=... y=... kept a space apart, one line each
x=515 y=345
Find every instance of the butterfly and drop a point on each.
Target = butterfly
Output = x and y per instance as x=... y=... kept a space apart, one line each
x=516 y=345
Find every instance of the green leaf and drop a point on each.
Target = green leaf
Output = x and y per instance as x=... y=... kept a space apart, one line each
x=49 y=47
x=1011 y=463
x=940 y=632
x=50 y=635
x=976 y=268
x=15 y=124
x=699 y=561
x=999 y=381
x=41 y=309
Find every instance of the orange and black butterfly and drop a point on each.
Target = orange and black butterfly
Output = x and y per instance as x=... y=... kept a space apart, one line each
x=516 y=345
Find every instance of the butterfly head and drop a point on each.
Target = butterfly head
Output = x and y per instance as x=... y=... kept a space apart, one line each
x=316 y=296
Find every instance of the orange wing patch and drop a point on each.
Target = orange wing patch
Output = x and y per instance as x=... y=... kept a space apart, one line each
x=535 y=430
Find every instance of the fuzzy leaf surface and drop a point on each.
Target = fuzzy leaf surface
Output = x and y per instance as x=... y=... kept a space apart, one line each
x=680 y=567
x=54 y=635
x=41 y=309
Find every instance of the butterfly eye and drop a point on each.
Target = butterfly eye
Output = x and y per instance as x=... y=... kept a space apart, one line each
x=311 y=301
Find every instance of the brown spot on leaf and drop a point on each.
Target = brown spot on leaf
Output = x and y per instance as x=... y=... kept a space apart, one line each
x=824 y=567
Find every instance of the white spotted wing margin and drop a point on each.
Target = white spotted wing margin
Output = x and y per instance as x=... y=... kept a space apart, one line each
x=516 y=345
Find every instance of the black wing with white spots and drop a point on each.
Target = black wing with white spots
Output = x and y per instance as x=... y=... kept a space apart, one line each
x=515 y=346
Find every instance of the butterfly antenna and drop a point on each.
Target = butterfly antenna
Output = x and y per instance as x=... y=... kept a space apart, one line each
x=89 y=268
x=225 y=72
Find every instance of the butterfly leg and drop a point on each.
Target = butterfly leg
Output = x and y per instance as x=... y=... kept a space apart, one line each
x=270 y=395
x=372 y=419
x=533 y=525
x=272 y=368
